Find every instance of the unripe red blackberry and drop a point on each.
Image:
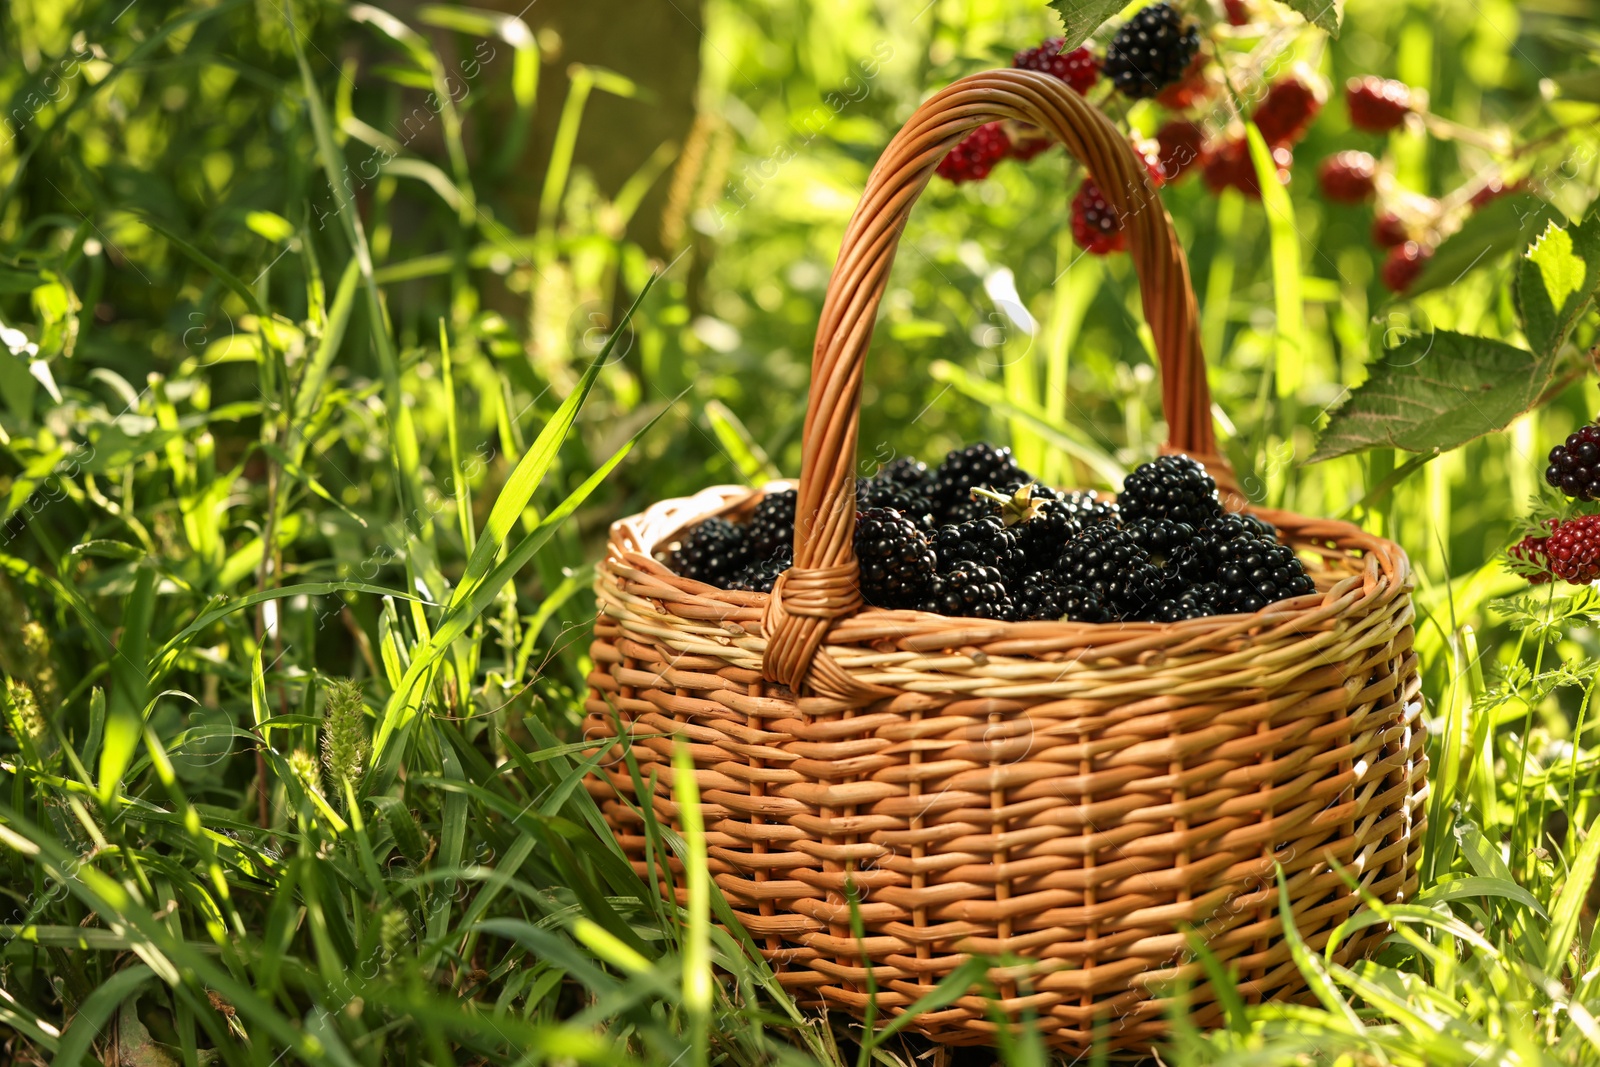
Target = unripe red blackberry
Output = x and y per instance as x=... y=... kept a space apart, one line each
x=1494 y=190
x=1231 y=166
x=1191 y=89
x=1575 y=464
x=1151 y=51
x=1377 y=104
x=1238 y=12
x=897 y=562
x=1533 y=554
x=1349 y=177
x=1096 y=226
x=1029 y=142
x=975 y=156
x=1388 y=230
x=1078 y=68
x=1286 y=111
x=1403 y=265
x=1181 y=146
x=1574 y=550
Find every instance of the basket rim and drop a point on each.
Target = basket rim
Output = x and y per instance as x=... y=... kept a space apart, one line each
x=1385 y=573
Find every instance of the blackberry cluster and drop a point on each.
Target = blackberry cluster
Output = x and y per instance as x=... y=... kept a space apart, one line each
x=1573 y=550
x=1096 y=225
x=713 y=551
x=880 y=492
x=772 y=525
x=760 y=577
x=1171 y=487
x=980 y=466
x=1575 y=465
x=977 y=538
x=897 y=562
x=1151 y=51
x=988 y=541
x=1078 y=68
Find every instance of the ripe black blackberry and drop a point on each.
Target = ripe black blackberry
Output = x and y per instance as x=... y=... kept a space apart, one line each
x=1255 y=572
x=897 y=563
x=1196 y=602
x=1575 y=465
x=1089 y=508
x=1170 y=487
x=712 y=551
x=1042 y=595
x=759 y=577
x=1199 y=559
x=772 y=524
x=1107 y=561
x=1043 y=521
x=1151 y=51
x=969 y=510
x=1162 y=539
x=977 y=466
x=970 y=590
x=987 y=541
x=881 y=492
x=907 y=471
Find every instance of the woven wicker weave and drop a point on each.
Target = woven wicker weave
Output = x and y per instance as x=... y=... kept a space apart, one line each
x=1073 y=796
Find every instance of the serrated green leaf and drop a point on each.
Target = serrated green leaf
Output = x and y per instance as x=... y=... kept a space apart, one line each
x=1080 y=18
x=1435 y=391
x=1323 y=14
x=1488 y=233
x=1557 y=280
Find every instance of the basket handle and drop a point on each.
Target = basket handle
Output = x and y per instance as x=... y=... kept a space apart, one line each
x=822 y=586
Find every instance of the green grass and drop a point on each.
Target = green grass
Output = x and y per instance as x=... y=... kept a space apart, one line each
x=302 y=490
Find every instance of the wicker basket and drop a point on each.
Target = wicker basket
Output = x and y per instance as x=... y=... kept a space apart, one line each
x=1071 y=796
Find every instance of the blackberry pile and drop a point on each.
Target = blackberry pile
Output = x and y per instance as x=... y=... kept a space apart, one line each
x=977 y=537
